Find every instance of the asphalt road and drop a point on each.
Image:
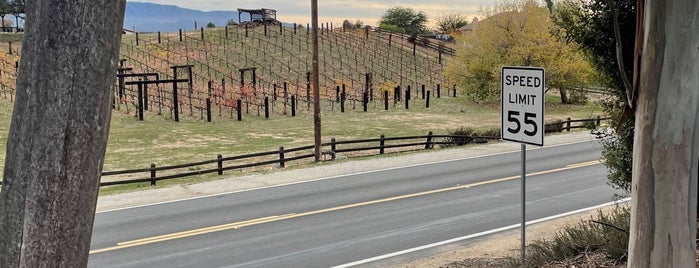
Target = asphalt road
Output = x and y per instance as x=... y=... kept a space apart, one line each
x=340 y=220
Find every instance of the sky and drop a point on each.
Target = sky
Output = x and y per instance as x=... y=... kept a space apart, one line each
x=336 y=11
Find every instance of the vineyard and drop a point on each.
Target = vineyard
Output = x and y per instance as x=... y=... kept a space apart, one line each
x=265 y=70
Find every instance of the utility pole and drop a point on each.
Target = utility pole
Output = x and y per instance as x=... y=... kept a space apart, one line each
x=314 y=78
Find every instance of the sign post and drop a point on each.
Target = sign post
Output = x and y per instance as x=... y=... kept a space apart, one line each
x=522 y=115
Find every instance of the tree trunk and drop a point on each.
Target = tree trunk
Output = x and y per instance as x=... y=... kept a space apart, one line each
x=564 y=96
x=666 y=143
x=59 y=131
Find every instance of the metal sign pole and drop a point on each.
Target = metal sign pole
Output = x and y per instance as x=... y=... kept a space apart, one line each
x=524 y=199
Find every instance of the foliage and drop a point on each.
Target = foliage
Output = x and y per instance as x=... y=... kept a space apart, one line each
x=231 y=22
x=391 y=27
x=517 y=33
x=451 y=22
x=467 y=135
x=210 y=25
x=607 y=233
x=590 y=24
x=358 y=24
x=406 y=19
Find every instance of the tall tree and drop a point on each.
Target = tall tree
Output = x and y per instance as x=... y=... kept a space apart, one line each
x=59 y=131
x=516 y=33
x=451 y=22
x=666 y=143
x=590 y=23
x=404 y=19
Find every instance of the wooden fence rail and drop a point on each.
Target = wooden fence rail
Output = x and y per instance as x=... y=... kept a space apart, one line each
x=283 y=155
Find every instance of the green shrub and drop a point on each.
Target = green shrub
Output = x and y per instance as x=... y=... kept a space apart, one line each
x=459 y=137
x=463 y=136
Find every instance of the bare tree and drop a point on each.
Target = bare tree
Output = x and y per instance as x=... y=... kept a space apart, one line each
x=59 y=131
x=666 y=143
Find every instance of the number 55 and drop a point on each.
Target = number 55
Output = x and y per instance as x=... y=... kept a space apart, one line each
x=513 y=116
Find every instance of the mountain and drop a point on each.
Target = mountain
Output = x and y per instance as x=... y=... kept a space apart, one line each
x=150 y=17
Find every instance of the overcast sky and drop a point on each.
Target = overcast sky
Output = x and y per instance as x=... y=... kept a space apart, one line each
x=336 y=11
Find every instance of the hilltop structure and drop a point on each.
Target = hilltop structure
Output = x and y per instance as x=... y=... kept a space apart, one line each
x=263 y=15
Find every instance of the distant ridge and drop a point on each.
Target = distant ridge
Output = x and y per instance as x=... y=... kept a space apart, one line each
x=150 y=17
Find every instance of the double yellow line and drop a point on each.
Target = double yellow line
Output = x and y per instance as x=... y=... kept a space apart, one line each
x=240 y=224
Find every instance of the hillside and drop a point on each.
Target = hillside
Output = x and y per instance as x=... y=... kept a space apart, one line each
x=281 y=59
x=150 y=17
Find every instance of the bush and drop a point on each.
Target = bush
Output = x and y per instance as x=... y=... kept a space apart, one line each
x=463 y=136
x=607 y=232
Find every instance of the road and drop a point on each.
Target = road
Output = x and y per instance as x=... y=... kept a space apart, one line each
x=346 y=219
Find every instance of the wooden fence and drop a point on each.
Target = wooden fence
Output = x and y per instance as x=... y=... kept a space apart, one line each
x=283 y=156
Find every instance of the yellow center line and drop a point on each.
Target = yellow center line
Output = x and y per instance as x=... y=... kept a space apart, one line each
x=240 y=224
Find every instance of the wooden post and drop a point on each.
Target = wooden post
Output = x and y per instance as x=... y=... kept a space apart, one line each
x=428 y=143
x=267 y=107
x=137 y=38
x=568 y=124
x=423 y=92
x=239 y=109
x=382 y=143
x=159 y=41
x=427 y=102
x=407 y=98
x=439 y=91
x=333 y=148
x=208 y=109
x=140 y=102
x=293 y=106
x=152 y=174
x=180 y=35
x=219 y=164
x=365 y=101
x=342 y=102
x=202 y=33
x=281 y=157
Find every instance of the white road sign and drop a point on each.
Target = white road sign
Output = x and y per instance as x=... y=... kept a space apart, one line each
x=523 y=105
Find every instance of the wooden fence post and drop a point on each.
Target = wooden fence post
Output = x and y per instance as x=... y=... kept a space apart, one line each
x=293 y=106
x=454 y=91
x=208 y=109
x=407 y=98
x=281 y=157
x=219 y=162
x=423 y=92
x=180 y=35
x=439 y=91
x=428 y=143
x=427 y=102
x=239 y=109
x=266 y=107
x=598 y=121
x=152 y=174
x=382 y=143
x=140 y=102
x=568 y=124
x=333 y=147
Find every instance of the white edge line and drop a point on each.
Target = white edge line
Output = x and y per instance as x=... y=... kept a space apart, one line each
x=497 y=230
x=332 y=177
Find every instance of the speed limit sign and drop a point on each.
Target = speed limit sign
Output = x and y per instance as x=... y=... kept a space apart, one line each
x=523 y=105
